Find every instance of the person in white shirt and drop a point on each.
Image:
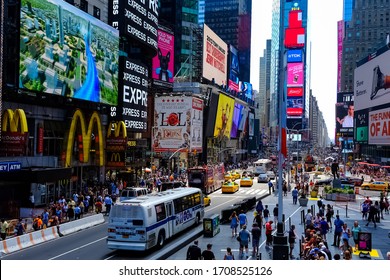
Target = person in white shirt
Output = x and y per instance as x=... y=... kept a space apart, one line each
x=347 y=121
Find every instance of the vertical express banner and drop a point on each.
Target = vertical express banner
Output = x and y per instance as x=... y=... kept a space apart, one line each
x=134 y=95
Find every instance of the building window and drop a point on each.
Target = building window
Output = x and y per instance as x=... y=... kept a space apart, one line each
x=84 y=5
x=96 y=12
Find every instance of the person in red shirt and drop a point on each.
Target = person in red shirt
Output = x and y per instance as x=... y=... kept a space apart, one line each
x=268 y=233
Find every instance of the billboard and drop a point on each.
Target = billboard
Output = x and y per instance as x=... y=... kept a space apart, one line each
x=295 y=74
x=294 y=106
x=67 y=52
x=379 y=130
x=14 y=136
x=236 y=119
x=294 y=56
x=163 y=62
x=361 y=124
x=234 y=69
x=372 y=82
x=224 y=118
x=340 y=37
x=214 y=57
x=344 y=118
x=295 y=92
x=251 y=124
x=178 y=124
x=294 y=38
x=246 y=90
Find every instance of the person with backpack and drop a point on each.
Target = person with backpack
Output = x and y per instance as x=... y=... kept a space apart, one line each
x=19 y=228
x=194 y=252
x=266 y=214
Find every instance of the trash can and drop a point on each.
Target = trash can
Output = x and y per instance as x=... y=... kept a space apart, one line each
x=211 y=226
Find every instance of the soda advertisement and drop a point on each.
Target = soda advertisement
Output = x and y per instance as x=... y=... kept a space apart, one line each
x=178 y=123
x=65 y=51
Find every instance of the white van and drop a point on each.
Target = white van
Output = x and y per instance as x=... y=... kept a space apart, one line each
x=132 y=192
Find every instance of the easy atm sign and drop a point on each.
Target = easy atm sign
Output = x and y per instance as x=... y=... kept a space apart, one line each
x=294 y=56
x=10 y=166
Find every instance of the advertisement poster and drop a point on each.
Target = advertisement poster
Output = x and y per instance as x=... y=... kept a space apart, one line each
x=234 y=72
x=294 y=106
x=214 y=57
x=295 y=92
x=345 y=118
x=372 y=82
x=379 y=130
x=163 y=62
x=236 y=120
x=67 y=52
x=223 y=121
x=251 y=125
x=295 y=74
x=178 y=124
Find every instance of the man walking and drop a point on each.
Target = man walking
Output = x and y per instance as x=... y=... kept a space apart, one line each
x=208 y=253
x=194 y=252
x=338 y=229
x=294 y=194
x=256 y=233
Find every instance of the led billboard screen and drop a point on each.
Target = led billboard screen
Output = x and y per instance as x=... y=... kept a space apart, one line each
x=294 y=38
x=294 y=106
x=236 y=119
x=379 y=130
x=295 y=92
x=163 y=62
x=214 y=57
x=294 y=56
x=234 y=69
x=295 y=74
x=223 y=121
x=67 y=52
x=345 y=118
x=372 y=82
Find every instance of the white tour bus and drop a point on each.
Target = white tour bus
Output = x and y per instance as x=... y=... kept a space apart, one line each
x=146 y=221
x=262 y=166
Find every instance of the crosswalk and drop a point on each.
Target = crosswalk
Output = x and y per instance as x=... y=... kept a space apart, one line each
x=245 y=191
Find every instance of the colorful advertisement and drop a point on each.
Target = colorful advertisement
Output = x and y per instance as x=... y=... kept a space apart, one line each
x=379 y=130
x=345 y=118
x=294 y=56
x=223 y=121
x=295 y=74
x=177 y=124
x=234 y=71
x=236 y=119
x=294 y=106
x=67 y=52
x=372 y=82
x=340 y=37
x=295 y=92
x=361 y=126
x=214 y=57
x=294 y=38
x=246 y=90
x=243 y=118
x=163 y=62
x=251 y=124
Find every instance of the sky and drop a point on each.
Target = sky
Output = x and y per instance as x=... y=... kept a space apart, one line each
x=322 y=34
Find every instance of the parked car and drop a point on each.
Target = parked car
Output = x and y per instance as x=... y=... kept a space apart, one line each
x=351 y=181
x=271 y=175
x=206 y=200
x=262 y=178
x=376 y=186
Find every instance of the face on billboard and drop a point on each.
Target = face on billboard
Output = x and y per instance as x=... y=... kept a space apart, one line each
x=67 y=52
x=295 y=74
x=345 y=118
x=372 y=82
x=163 y=63
x=214 y=57
x=223 y=121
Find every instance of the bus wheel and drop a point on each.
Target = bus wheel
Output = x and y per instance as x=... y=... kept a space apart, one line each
x=161 y=239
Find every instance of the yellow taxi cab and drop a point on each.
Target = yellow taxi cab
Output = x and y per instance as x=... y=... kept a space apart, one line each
x=206 y=201
x=230 y=187
x=236 y=175
x=228 y=176
x=246 y=182
x=376 y=186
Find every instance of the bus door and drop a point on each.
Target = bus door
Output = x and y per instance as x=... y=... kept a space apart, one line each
x=171 y=220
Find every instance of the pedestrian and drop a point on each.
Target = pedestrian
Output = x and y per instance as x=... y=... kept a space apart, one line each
x=365 y=207
x=20 y=228
x=77 y=212
x=45 y=219
x=329 y=214
x=244 y=237
x=194 y=252
x=258 y=219
x=345 y=235
x=229 y=254
x=371 y=215
x=260 y=207
x=294 y=194
x=335 y=169
x=292 y=236
x=355 y=233
x=71 y=212
x=270 y=186
x=256 y=234
x=234 y=223
x=284 y=188
x=107 y=203
x=208 y=254
x=243 y=219
x=308 y=218
x=268 y=233
x=338 y=228
x=3 y=229
x=276 y=213
x=324 y=228
x=266 y=214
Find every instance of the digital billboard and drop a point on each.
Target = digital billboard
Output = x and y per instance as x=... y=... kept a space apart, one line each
x=372 y=82
x=294 y=106
x=294 y=38
x=67 y=52
x=251 y=124
x=246 y=90
x=214 y=57
x=236 y=119
x=295 y=92
x=379 y=130
x=345 y=118
x=223 y=121
x=178 y=124
x=295 y=74
x=163 y=62
x=340 y=38
x=234 y=69
x=294 y=56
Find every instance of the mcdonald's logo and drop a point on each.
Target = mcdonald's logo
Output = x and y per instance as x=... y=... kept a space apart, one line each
x=117 y=127
x=14 y=121
x=86 y=138
x=115 y=157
